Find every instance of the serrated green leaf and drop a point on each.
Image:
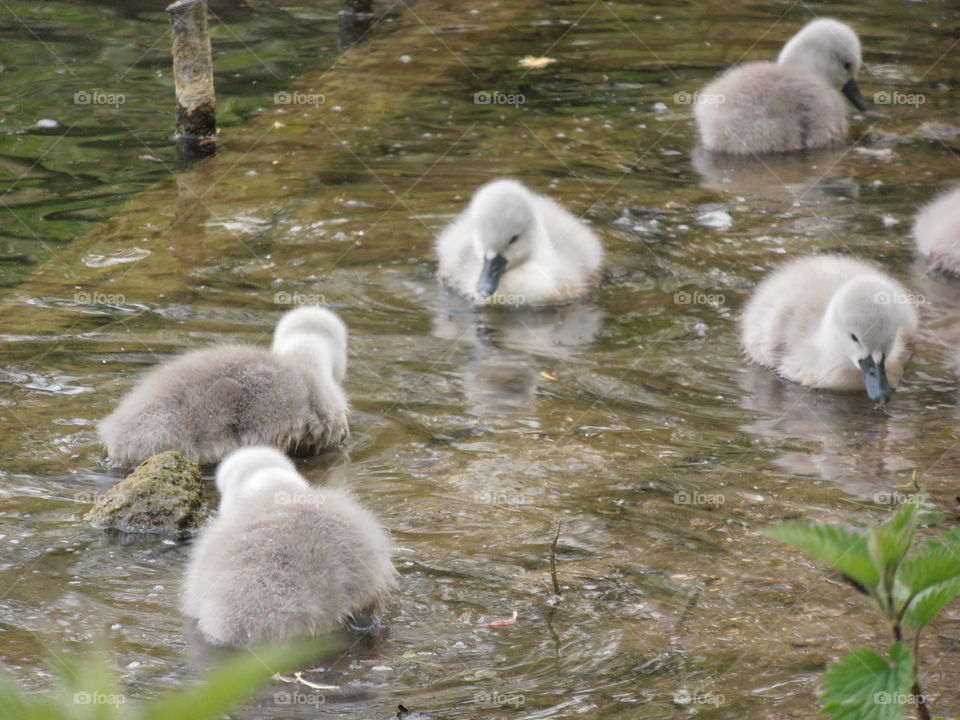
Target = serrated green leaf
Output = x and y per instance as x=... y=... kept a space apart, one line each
x=890 y=542
x=233 y=682
x=845 y=550
x=950 y=539
x=929 y=602
x=934 y=563
x=867 y=686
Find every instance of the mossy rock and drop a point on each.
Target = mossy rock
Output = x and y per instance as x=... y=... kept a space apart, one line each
x=163 y=494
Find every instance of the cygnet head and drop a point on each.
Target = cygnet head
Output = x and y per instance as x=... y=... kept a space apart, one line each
x=250 y=470
x=504 y=229
x=830 y=49
x=318 y=324
x=865 y=317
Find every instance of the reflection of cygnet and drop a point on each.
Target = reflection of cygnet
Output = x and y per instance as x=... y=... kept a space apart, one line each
x=786 y=178
x=506 y=356
x=792 y=104
x=283 y=559
x=937 y=232
x=209 y=402
x=515 y=244
x=831 y=322
x=821 y=434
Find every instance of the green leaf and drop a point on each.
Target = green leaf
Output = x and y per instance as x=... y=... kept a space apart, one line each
x=888 y=543
x=867 y=686
x=843 y=549
x=14 y=704
x=88 y=689
x=934 y=563
x=234 y=681
x=929 y=602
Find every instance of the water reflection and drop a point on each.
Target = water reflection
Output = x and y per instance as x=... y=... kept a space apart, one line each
x=511 y=352
x=784 y=178
x=841 y=437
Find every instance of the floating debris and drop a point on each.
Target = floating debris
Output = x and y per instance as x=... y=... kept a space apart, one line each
x=719 y=219
x=534 y=63
x=881 y=153
x=503 y=622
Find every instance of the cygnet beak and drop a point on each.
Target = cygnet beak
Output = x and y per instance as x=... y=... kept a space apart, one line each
x=852 y=92
x=490 y=275
x=875 y=378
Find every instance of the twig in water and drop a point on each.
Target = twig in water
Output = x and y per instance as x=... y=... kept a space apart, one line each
x=553 y=560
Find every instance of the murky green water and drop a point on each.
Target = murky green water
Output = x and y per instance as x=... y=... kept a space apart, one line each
x=630 y=419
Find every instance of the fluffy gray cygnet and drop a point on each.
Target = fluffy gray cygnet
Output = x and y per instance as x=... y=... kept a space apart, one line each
x=283 y=559
x=831 y=322
x=209 y=402
x=793 y=104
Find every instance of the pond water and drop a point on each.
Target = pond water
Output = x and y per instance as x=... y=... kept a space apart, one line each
x=631 y=419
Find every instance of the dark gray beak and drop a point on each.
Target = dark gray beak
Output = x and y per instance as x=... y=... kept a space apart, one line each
x=852 y=91
x=490 y=275
x=875 y=378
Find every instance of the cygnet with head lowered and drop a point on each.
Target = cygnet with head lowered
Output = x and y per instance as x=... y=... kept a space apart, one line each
x=209 y=402
x=283 y=559
x=832 y=322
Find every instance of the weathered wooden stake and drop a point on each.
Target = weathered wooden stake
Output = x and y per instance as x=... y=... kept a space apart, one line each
x=193 y=76
x=356 y=19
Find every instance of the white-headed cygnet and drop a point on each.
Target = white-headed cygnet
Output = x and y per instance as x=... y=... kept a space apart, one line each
x=831 y=322
x=936 y=232
x=283 y=559
x=513 y=244
x=793 y=104
x=209 y=402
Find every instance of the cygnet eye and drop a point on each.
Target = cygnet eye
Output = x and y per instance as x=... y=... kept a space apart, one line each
x=847 y=66
x=513 y=240
x=855 y=338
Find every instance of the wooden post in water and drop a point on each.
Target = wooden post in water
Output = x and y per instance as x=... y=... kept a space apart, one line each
x=356 y=19
x=193 y=75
